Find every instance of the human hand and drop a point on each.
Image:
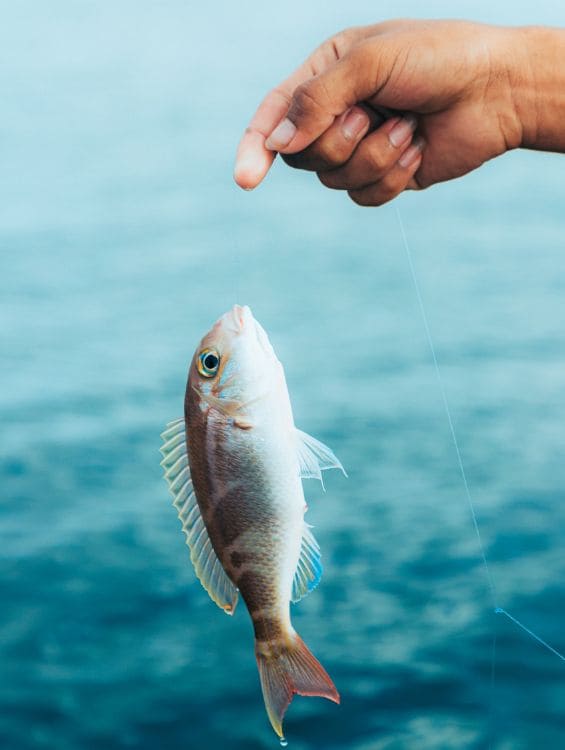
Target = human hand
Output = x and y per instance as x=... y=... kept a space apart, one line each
x=451 y=81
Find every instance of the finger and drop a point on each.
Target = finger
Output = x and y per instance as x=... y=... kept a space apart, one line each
x=253 y=158
x=398 y=179
x=336 y=146
x=360 y=74
x=374 y=157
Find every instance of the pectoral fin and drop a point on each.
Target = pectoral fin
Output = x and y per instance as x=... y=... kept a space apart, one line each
x=315 y=457
x=206 y=563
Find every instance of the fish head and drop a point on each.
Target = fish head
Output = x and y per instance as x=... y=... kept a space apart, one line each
x=235 y=360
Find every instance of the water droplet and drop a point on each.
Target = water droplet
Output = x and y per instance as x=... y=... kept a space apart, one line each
x=284 y=742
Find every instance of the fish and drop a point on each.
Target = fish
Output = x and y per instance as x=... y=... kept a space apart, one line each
x=234 y=464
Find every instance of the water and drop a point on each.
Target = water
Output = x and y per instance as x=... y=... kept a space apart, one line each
x=122 y=238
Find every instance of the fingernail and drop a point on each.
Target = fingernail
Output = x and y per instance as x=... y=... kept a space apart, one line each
x=411 y=154
x=281 y=136
x=402 y=131
x=354 y=124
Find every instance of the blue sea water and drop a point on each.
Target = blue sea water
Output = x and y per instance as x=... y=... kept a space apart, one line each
x=122 y=238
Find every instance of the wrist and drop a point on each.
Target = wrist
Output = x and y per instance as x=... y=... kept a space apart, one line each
x=537 y=80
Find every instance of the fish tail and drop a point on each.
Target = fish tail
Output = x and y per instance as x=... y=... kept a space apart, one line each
x=288 y=669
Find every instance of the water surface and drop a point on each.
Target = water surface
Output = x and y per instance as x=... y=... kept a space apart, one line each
x=122 y=239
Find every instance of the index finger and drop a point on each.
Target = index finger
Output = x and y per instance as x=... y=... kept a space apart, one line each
x=253 y=160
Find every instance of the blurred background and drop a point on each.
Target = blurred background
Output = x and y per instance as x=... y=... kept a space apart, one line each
x=122 y=239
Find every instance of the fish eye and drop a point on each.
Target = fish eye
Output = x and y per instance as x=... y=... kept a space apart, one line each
x=208 y=362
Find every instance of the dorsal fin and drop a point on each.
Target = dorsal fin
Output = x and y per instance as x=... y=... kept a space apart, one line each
x=206 y=563
x=309 y=568
x=314 y=457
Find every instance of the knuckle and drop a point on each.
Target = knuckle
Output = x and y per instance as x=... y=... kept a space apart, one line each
x=388 y=189
x=280 y=95
x=328 y=180
x=328 y=152
x=349 y=34
x=380 y=200
x=342 y=41
x=293 y=160
x=307 y=160
x=376 y=161
x=422 y=181
x=360 y=197
x=363 y=54
x=336 y=46
x=332 y=151
x=300 y=160
x=377 y=194
x=304 y=101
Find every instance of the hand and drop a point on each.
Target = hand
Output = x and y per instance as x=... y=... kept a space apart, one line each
x=447 y=84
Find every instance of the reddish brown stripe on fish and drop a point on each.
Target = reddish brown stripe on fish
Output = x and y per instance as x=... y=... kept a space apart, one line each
x=258 y=590
x=237 y=559
x=267 y=629
x=230 y=522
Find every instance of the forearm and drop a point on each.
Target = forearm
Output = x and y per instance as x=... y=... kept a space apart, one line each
x=539 y=88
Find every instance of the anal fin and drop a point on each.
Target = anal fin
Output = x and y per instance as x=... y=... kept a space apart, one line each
x=309 y=569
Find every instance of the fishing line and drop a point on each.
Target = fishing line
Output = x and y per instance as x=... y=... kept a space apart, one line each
x=236 y=265
x=492 y=689
x=497 y=609
x=501 y=611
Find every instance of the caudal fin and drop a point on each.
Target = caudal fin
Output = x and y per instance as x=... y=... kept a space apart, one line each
x=287 y=670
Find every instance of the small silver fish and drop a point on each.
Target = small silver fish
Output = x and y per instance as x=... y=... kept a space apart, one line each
x=234 y=465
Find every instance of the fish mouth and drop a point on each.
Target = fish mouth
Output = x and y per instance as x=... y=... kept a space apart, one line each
x=237 y=319
x=240 y=320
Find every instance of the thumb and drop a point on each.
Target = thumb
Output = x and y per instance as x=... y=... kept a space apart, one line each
x=317 y=102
